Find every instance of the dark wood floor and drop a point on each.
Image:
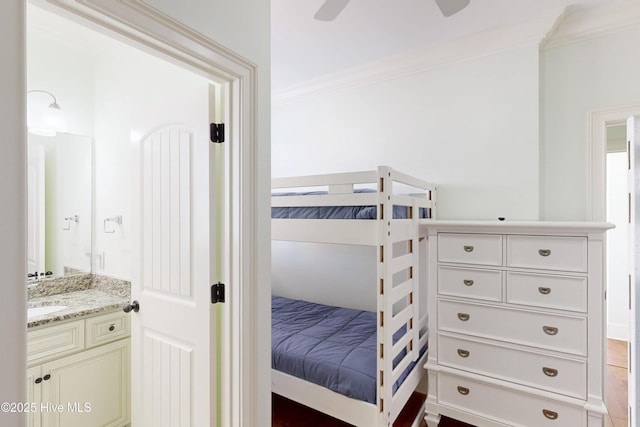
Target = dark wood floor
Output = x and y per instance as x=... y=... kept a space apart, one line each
x=287 y=413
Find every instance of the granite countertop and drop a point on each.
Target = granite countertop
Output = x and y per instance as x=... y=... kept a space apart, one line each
x=78 y=303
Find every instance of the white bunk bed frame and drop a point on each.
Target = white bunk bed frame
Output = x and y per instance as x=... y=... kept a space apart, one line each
x=381 y=233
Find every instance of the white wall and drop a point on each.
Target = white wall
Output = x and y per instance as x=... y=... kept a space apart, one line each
x=135 y=94
x=13 y=189
x=242 y=27
x=617 y=248
x=338 y=275
x=68 y=160
x=65 y=70
x=471 y=128
x=578 y=78
x=73 y=189
x=64 y=67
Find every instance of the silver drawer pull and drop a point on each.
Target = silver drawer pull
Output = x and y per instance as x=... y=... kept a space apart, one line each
x=463 y=316
x=544 y=252
x=463 y=353
x=468 y=282
x=550 y=372
x=468 y=248
x=550 y=330
x=552 y=415
x=544 y=291
x=463 y=390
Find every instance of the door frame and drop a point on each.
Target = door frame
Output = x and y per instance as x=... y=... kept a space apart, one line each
x=597 y=134
x=598 y=120
x=148 y=29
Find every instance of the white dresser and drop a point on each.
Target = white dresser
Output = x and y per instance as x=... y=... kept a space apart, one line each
x=516 y=323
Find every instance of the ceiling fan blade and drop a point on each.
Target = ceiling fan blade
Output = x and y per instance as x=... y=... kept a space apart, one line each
x=451 y=7
x=330 y=10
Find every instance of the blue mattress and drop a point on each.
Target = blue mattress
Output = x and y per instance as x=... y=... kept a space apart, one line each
x=336 y=212
x=330 y=346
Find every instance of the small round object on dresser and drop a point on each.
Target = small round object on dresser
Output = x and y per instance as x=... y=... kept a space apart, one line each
x=501 y=218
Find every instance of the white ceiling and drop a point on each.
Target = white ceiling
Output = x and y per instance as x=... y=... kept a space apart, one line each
x=303 y=48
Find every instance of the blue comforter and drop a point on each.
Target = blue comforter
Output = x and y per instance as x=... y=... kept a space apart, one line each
x=336 y=212
x=330 y=346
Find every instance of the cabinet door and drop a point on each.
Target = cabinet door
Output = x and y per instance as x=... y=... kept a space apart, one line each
x=89 y=388
x=34 y=395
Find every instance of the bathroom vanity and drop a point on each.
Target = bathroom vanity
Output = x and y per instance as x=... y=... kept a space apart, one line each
x=78 y=346
x=78 y=361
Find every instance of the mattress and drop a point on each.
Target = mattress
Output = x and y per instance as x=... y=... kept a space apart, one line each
x=330 y=346
x=335 y=212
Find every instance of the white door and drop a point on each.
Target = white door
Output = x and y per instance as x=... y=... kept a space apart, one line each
x=172 y=350
x=633 y=137
x=35 y=208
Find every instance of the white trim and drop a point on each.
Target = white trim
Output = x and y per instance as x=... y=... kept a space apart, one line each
x=137 y=23
x=487 y=43
x=352 y=411
x=595 y=22
x=618 y=331
x=597 y=134
x=555 y=29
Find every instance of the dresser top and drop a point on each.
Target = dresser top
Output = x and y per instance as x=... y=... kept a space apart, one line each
x=534 y=227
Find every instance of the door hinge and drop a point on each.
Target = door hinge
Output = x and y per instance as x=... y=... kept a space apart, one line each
x=217 y=293
x=217 y=132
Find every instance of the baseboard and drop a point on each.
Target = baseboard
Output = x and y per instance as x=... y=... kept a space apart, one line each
x=618 y=331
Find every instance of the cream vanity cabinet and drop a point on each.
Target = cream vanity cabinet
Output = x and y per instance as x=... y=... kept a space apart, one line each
x=78 y=372
x=516 y=323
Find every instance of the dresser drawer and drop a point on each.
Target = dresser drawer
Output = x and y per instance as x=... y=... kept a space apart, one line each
x=543 y=290
x=470 y=283
x=551 y=373
x=543 y=330
x=513 y=408
x=485 y=249
x=547 y=252
x=109 y=327
x=55 y=341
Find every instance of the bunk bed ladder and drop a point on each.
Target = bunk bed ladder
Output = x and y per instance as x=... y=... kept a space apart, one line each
x=404 y=295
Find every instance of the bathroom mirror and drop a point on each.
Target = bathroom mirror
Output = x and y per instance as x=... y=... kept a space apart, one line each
x=59 y=205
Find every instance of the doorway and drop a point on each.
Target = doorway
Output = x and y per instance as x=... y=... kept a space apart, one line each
x=151 y=31
x=610 y=202
x=618 y=292
x=131 y=103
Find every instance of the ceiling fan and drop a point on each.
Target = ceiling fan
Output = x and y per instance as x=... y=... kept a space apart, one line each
x=330 y=9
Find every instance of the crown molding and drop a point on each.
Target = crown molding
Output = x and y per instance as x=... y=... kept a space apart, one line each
x=472 y=47
x=584 y=24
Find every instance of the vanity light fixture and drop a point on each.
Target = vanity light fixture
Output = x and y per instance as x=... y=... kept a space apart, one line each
x=46 y=121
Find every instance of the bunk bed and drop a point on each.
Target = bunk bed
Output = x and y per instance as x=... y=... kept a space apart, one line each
x=369 y=382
